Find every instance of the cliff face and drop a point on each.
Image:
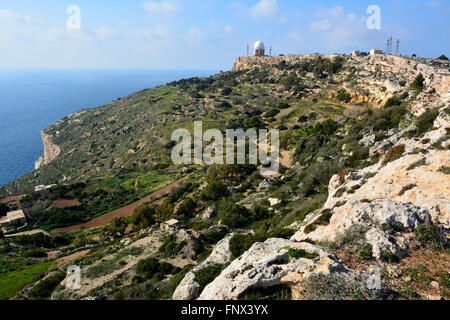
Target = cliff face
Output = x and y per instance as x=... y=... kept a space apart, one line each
x=253 y=61
x=378 y=77
x=51 y=151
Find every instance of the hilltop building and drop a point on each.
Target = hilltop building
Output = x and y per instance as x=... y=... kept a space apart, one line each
x=260 y=49
x=376 y=51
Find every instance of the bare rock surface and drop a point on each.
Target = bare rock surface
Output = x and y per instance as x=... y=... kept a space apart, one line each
x=189 y=289
x=268 y=264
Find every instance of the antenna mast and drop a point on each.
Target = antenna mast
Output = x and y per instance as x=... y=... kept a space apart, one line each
x=248 y=49
x=396 y=49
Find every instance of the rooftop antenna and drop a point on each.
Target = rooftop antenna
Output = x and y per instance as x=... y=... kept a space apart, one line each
x=396 y=49
x=390 y=45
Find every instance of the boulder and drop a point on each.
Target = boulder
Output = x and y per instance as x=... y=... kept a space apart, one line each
x=268 y=264
x=189 y=289
x=387 y=223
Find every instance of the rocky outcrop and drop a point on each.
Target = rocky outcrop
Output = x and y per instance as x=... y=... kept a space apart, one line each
x=51 y=151
x=389 y=199
x=189 y=289
x=386 y=223
x=268 y=264
x=437 y=78
x=248 y=62
x=378 y=77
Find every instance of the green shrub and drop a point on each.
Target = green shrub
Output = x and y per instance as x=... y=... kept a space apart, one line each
x=232 y=214
x=424 y=122
x=418 y=84
x=153 y=269
x=323 y=220
x=429 y=235
x=187 y=208
x=390 y=257
x=165 y=210
x=143 y=216
x=272 y=113
x=300 y=253
x=393 y=101
x=44 y=288
x=344 y=96
x=280 y=292
x=170 y=248
x=365 y=253
x=394 y=153
x=240 y=243
x=35 y=253
x=214 y=236
x=214 y=191
x=206 y=275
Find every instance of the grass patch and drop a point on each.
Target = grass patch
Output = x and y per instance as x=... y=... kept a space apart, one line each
x=281 y=292
x=207 y=275
x=12 y=282
x=300 y=253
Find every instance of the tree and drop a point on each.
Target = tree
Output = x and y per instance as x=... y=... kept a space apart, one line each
x=187 y=208
x=116 y=228
x=232 y=214
x=213 y=191
x=143 y=217
x=164 y=211
x=443 y=57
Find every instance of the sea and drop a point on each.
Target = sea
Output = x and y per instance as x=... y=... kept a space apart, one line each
x=31 y=100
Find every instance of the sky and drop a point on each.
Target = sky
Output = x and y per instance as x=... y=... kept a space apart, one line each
x=208 y=34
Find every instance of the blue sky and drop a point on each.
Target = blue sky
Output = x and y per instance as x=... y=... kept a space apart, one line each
x=208 y=34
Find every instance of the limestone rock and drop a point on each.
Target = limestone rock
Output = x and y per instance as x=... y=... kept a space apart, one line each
x=188 y=289
x=386 y=222
x=268 y=264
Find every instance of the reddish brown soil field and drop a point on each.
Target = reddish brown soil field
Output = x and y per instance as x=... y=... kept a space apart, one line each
x=64 y=203
x=12 y=200
x=122 y=212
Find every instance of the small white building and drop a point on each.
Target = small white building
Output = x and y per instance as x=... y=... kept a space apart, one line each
x=171 y=225
x=13 y=218
x=356 y=53
x=260 y=49
x=42 y=187
x=376 y=51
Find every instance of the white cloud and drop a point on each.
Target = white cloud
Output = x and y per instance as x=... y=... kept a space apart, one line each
x=230 y=30
x=164 y=7
x=194 y=35
x=322 y=25
x=334 y=12
x=11 y=16
x=264 y=9
x=104 y=32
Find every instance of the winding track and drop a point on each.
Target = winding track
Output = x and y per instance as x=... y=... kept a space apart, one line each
x=122 y=212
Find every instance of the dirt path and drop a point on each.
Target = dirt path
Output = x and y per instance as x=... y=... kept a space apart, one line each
x=286 y=158
x=29 y=233
x=122 y=212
